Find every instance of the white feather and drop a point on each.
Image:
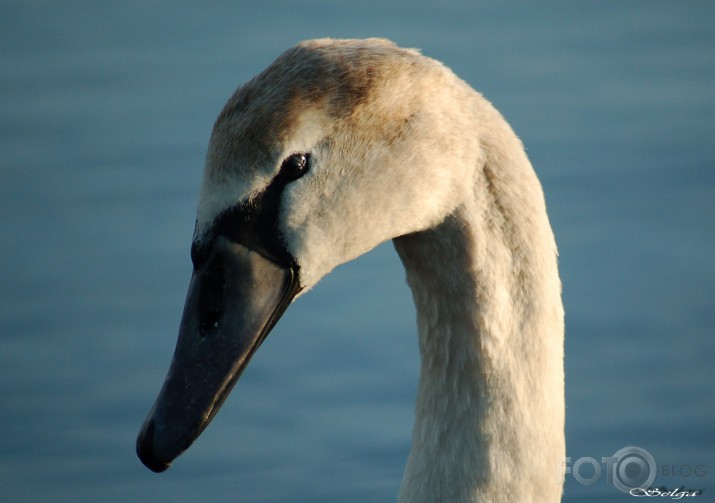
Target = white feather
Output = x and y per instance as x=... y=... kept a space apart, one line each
x=403 y=149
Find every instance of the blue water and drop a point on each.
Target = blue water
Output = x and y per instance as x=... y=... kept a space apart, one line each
x=105 y=113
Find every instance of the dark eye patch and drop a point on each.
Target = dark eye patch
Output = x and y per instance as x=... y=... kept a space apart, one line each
x=254 y=223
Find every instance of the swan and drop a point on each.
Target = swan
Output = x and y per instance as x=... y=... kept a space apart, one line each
x=340 y=145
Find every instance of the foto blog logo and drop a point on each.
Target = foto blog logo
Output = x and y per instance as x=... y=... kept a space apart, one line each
x=629 y=468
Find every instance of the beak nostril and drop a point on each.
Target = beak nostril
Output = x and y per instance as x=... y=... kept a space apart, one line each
x=211 y=298
x=209 y=323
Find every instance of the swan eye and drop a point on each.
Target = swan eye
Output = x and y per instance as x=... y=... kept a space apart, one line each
x=295 y=166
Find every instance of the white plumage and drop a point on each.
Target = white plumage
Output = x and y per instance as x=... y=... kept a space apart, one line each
x=402 y=149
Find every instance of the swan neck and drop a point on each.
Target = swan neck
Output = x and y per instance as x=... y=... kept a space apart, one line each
x=490 y=407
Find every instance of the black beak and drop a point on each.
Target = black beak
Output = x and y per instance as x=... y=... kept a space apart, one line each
x=234 y=300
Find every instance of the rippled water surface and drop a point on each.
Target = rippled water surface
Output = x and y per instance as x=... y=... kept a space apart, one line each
x=106 y=110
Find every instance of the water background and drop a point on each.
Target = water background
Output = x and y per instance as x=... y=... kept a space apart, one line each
x=105 y=113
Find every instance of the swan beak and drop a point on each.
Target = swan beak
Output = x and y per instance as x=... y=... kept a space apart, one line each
x=234 y=300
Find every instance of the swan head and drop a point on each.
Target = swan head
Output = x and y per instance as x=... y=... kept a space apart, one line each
x=336 y=147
